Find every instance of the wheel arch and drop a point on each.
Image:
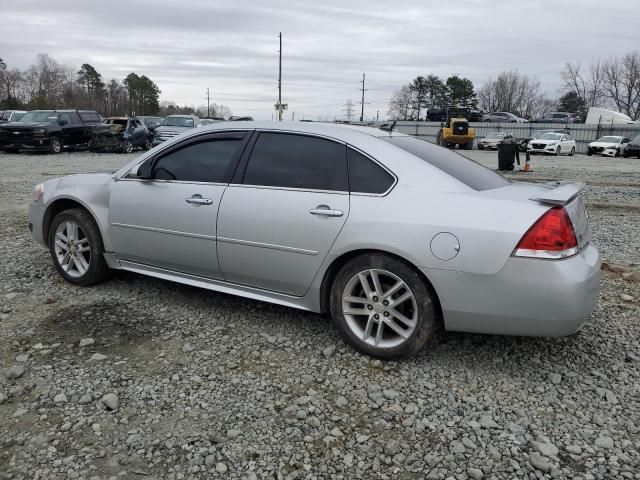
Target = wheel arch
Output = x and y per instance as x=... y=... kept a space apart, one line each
x=60 y=205
x=332 y=271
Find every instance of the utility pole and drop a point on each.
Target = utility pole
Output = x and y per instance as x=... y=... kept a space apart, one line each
x=280 y=79
x=293 y=116
x=362 y=102
x=208 y=100
x=377 y=115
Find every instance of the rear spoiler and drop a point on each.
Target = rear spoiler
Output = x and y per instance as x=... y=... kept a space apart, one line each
x=559 y=193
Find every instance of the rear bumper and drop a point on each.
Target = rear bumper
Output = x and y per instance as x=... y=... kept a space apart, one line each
x=531 y=297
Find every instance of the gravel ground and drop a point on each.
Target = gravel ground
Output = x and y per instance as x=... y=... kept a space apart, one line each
x=142 y=378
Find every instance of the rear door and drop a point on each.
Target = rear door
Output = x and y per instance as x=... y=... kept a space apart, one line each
x=279 y=219
x=169 y=221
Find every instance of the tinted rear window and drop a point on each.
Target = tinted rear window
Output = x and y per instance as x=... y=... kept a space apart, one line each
x=297 y=161
x=453 y=164
x=89 y=117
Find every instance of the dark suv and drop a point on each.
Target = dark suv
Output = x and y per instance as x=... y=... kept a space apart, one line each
x=48 y=130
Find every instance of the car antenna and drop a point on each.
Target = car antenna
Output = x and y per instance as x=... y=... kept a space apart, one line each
x=386 y=127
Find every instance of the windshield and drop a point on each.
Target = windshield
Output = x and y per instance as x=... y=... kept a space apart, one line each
x=152 y=120
x=609 y=139
x=453 y=164
x=550 y=136
x=50 y=117
x=495 y=135
x=18 y=116
x=178 y=122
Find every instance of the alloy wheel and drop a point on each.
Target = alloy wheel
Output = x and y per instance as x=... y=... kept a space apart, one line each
x=72 y=249
x=379 y=308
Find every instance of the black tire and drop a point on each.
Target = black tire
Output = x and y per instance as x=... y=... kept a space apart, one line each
x=617 y=152
x=55 y=145
x=98 y=269
x=147 y=145
x=573 y=151
x=428 y=323
x=557 y=151
x=127 y=146
x=589 y=153
x=480 y=147
x=468 y=145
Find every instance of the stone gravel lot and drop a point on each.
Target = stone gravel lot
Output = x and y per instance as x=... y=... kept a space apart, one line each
x=141 y=378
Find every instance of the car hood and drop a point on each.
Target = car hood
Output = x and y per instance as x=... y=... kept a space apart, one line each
x=491 y=140
x=544 y=142
x=171 y=129
x=25 y=125
x=108 y=129
x=604 y=144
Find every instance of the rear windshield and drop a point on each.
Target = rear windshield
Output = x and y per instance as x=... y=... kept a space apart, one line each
x=461 y=168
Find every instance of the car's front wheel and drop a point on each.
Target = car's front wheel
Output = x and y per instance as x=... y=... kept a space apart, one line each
x=127 y=146
x=573 y=151
x=55 y=145
x=76 y=246
x=383 y=307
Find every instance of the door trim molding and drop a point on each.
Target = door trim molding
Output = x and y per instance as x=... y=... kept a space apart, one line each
x=163 y=230
x=268 y=245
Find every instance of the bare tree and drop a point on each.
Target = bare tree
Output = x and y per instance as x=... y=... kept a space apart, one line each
x=586 y=84
x=511 y=92
x=622 y=83
x=400 y=105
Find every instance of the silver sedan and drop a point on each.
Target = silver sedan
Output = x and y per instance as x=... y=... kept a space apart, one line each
x=392 y=236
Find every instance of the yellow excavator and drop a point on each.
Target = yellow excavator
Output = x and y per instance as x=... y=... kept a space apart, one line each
x=456 y=131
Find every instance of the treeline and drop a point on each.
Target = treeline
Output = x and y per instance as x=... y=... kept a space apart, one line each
x=49 y=84
x=611 y=83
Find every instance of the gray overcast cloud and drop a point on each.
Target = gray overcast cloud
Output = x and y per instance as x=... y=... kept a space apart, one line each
x=231 y=47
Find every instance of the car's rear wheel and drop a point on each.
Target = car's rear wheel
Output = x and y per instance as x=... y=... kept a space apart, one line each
x=55 y=145
x=573 y=151
x=76 y=247
x=383 y=307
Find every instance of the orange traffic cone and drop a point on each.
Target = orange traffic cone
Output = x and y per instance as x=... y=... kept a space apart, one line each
x=527 y=167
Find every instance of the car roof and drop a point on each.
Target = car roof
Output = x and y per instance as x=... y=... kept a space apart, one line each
x=117 y=118
x=339 y=131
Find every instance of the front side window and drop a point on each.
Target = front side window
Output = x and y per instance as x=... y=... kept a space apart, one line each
x=64 y=119
x=205 y=161
x=89 y=117
x=297 y=161
x=366 y=176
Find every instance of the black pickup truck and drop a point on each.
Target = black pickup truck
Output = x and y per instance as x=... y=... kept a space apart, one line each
x=48 y=130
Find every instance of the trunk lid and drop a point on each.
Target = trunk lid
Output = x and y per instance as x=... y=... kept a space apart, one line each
x=566 y=194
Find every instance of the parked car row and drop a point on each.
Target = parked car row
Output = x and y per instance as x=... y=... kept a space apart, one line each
x=54 y=130
x=558 y=142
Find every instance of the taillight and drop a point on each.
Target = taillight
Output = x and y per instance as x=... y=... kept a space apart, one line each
x=552 y=236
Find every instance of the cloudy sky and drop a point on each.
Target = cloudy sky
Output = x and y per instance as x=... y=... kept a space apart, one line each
x=231 y=46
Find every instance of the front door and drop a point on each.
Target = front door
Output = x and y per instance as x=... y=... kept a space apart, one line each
x=277 y=225
x=169 y=221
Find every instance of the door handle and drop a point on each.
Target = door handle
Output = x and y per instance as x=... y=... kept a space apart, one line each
x=197 y=200
x=326 y=211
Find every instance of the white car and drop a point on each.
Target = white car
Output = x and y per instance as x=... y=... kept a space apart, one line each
x=611 y=145
x=552 y=143
x=491 y=140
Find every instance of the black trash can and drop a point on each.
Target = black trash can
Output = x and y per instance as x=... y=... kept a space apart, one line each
x=507 y=154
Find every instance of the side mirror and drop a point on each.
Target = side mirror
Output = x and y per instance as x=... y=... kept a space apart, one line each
x=144 y=170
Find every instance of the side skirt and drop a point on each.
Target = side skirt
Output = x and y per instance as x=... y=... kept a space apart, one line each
x=217 y=285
